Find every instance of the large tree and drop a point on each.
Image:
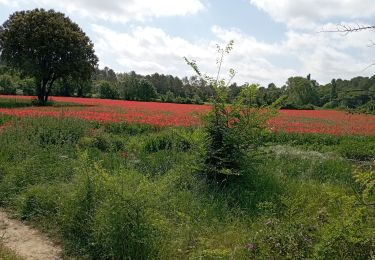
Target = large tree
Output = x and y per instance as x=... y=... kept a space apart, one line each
x=301 y=91
x=47 y=46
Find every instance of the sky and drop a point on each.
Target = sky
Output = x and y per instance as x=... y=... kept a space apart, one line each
x=273 y=40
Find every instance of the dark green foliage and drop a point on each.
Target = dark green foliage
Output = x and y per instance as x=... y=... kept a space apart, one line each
x=104 y=142
x=12 y=103
x=230 y=131
x=125 y=225
x=358 y=149
x=108 y=90
x=39 y=202
x=68 y=87
x=4 y=119
x=128 y=129
x=301 y=92
x=167 y=141
x=7 y=85
x=47 y=46
x=146 y=91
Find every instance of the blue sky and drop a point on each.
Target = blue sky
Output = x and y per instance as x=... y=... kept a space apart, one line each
x=273 y=39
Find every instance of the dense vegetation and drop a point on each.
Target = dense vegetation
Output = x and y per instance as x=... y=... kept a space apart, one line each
x=298 y=92
x=133 y=191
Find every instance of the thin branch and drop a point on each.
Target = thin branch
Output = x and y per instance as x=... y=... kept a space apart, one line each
x=372 y=43
x=219 y=66
x=369 y=66
x=345 y=29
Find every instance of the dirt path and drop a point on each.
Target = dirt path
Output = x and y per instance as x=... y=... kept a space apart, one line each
x=27 y=242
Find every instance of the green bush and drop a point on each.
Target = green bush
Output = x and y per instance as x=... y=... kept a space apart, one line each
x=48 y=131
x=128 y=129
x=7 y=85
x=357 y=149
x=348 y=235
x=123 y=227
x=108 y=90
x=39 y=201
x=166 y=141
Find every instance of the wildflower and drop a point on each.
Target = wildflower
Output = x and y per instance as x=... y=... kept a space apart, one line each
x=269 y=222
x=168 y=114
x=251 y=247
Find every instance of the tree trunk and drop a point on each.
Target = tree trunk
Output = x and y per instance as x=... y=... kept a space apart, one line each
x=41 y=91
x=48 y=89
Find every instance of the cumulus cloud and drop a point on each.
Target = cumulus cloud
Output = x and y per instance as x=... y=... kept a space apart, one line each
x=148 y=49
x=118 y=10
x=309 y=13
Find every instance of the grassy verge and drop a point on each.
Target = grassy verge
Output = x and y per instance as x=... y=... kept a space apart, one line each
x=6 y=254
x=133 y=191
x=24 y=103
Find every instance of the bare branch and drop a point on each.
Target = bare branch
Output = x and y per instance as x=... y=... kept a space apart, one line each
x=372 y=43
x=369 y=66
x=345 y=29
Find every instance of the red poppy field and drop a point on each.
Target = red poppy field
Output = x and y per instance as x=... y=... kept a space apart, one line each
x=167 y=114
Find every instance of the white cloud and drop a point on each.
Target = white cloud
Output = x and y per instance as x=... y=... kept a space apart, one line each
x=118 y=10
x=148 y=49
x=309 y=13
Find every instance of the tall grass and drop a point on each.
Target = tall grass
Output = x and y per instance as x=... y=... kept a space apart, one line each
x=135 y=192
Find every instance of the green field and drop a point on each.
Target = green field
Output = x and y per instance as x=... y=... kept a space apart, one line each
x=119 y=191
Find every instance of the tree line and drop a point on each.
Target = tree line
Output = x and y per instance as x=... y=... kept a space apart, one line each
x=297 y=93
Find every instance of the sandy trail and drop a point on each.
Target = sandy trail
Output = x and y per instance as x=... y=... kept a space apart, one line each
x=25 y=241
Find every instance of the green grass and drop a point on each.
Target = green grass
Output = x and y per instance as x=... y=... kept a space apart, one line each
x=14 y=103
x=24 y=103
x=6 y=254
x=122 y=191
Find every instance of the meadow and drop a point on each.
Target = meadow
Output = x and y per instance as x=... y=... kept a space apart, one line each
x=121 y=180
x=169 y=114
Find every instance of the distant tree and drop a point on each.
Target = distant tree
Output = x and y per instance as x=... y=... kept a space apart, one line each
x=273 y=93
x=146 y=91
x=47 y=46
x=128 y=85
x=108 y=90
x=7 y=85
x=248 y=95
x=234 y=90
x=169 y=97
x=333 y=90
x=105 y=74
x=300 y=92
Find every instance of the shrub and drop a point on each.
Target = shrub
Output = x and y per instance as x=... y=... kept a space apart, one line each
x=123 y=228
x=39 y=201
x=122 y=128
x=167 y=141
x=109 y=91
x=357 y=149
x=230 y=130
x=7 y=85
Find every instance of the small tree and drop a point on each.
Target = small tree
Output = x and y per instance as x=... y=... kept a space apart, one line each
x=301 y=91
x=7 y=85
x=47 y=46
x=230 y=130
x=108 y=90
x=146 y=91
